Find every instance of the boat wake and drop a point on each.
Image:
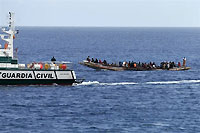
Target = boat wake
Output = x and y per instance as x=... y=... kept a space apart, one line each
x=89 y=83
x=108 y=84
x=175 y=82
x=134 y=83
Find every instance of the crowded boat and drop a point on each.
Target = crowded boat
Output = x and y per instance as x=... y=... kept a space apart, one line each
x=136 y=66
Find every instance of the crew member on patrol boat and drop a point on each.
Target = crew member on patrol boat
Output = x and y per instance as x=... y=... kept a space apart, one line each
x=53 y=59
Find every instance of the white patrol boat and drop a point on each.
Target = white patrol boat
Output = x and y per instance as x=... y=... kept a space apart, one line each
x=43 y=73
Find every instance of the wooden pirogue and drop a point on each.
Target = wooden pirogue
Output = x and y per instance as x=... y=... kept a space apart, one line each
x=100 y=66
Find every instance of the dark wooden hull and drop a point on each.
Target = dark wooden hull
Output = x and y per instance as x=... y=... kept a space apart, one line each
x=100 y=66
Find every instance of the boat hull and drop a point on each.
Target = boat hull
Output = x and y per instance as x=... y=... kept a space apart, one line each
x=36 y=82
x=37 y=77
x=100 y=66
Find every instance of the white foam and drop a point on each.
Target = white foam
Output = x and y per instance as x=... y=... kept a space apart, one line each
x=134 y=83
x=89 y=83
x=97 y=83
x=174 y=82
x=190 y=81
x=163 y=82
x=160 y=124
x=121 y=83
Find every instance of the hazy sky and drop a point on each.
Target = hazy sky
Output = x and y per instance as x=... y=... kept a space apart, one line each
x=153 y=13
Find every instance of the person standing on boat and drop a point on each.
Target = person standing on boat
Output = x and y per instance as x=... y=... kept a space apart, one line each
x=53 y=59
x=184 y=62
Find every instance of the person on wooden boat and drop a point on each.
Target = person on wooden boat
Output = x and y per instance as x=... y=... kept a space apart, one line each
x=129 y=64
x=161 y=65
x=184 y=62
x=150 y=65
x=88 y=58
x=92 y=60
x=139 y=64
x=125 y=64
x=145 y=65
x=100 y=61
x=134 y=65
x=164 y=65
x=171 y=65
x=168 y=65
x=96 y=61
x=120 y=64
x=179 y=64
x=154 y=65
x=105 y=62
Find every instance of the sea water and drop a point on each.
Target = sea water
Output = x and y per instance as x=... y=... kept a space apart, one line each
x=107 y=101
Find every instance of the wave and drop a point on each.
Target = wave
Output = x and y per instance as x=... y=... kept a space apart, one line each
x=98 y=83
x=89 y=83
x=157 y=124
x=134 y=83
x=121 y=83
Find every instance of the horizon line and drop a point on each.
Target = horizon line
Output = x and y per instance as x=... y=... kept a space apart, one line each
x=113 y=26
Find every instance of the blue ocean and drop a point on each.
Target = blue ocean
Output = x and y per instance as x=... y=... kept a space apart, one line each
x=107 y=101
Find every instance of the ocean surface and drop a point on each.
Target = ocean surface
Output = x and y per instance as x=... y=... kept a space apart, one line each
x=107 y=101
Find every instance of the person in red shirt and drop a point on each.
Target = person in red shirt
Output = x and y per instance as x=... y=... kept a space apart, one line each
x=100 y=61
x=179 y=64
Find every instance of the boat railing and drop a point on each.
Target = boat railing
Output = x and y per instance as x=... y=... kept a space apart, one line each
x=48 y=66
